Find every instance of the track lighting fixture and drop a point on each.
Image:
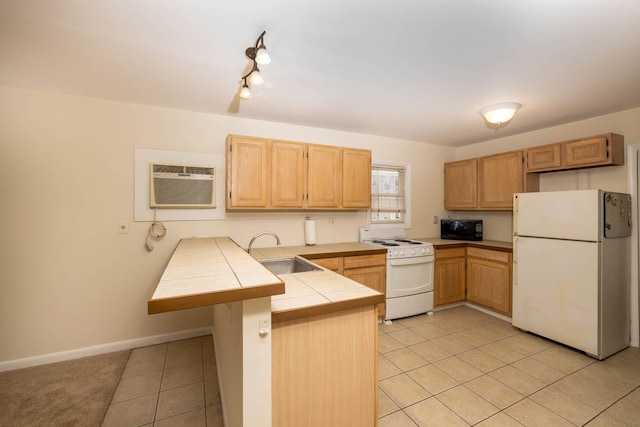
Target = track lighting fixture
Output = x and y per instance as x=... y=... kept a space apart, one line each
x=259 y=55
x=245 y=92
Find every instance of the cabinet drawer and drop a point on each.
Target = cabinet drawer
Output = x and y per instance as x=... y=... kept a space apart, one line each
x=333 y=264
x=450 y=253
x=489 y=254
x=364 y=261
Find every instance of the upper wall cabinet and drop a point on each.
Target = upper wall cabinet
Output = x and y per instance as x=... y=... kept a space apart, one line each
x=594 y=151
x=499 y=177
x=356 y=178
x=486 y=183
x=282 y=175
x=461 y=184
x=248 y=171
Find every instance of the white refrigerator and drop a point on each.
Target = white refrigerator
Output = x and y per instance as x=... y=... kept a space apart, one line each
x=571 y=273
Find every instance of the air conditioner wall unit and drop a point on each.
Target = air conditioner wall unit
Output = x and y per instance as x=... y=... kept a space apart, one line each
x=182 y=186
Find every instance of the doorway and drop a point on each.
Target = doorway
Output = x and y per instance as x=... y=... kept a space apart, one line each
x=633 y=161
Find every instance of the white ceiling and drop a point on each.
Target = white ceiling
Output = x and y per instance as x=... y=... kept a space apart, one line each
x=410 y=69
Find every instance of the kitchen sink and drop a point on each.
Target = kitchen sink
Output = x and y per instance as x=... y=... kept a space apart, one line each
x=288 y=265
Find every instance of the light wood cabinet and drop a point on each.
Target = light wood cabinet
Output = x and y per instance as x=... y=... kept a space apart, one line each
x=461 y=184
x=284 y=175
x=369 y=270
x=489 y=279
x=594 y=151
x=602 y=150
x=324 y=180
x=486 y=183
x=324 y=370
x=288 y=174
x=247 y=172
x=545 y=157
x=449 y=276
x=333 y=264
x=356 y=178
x=499 y=177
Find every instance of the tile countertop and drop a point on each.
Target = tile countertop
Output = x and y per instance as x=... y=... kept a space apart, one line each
x=488 y=244
x=208 y=271
x=319 y=251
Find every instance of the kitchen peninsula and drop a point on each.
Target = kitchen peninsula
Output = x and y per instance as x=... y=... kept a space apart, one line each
x=281 y=339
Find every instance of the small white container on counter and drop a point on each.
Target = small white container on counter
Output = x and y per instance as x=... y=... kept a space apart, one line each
x=309 y=231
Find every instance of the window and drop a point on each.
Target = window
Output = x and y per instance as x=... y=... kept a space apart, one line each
x=389 y=201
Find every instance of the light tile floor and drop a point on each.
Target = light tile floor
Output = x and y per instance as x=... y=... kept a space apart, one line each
x=462 y=367
x=458 y=367
x=172 y=384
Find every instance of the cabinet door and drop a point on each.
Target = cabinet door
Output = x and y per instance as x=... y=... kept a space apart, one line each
x=324 y=176
x=543 y=158
x=499 y=177
x=247 y=172
x=356 y=178
x=460 y=184
x=587 y=152
x=288 y=174
x=374 y=277
x=449 y=280
x=489 y=284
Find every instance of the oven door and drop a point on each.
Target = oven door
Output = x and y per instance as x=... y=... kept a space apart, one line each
x=409 y=276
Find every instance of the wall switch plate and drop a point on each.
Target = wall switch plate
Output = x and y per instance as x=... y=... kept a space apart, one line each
x=123 y=227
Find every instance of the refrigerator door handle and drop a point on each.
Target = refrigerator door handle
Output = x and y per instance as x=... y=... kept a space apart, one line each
x=515 y=261
x=515 y=214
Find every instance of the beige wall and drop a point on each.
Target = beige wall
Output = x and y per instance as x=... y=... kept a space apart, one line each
x=68 y=280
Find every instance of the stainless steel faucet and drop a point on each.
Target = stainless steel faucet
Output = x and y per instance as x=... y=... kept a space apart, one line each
x=260 y=234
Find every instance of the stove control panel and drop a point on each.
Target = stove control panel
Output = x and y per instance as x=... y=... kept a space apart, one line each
x=410 y=252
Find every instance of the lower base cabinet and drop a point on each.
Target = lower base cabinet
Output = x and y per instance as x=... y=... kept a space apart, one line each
x=449 y=276
x=480 y=276
x=324 y=370
x=370 y=270
x=489 y=279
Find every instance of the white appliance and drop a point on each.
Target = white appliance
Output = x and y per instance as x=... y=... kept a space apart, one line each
x=409 y=271
x=181 y=186
x=571 y=273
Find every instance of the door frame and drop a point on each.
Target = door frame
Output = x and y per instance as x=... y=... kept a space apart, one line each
x=633 y=160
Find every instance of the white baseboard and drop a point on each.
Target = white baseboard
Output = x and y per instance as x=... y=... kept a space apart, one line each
x=103 y=348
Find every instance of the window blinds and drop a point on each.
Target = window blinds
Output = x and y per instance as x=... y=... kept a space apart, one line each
x=387 y=189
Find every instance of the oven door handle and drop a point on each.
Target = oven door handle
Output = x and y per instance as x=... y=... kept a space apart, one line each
x=410 y=261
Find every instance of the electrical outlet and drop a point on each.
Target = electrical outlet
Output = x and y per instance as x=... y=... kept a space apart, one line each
x=123 y=227
x=331 y=221
x=435 y=219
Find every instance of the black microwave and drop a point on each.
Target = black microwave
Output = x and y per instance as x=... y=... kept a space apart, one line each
x=461 y=229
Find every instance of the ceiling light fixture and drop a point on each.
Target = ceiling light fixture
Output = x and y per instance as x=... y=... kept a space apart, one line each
x=245 y=92
x=259 y=55
x=499 y=114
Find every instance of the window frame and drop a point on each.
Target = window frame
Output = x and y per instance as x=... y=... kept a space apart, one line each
x=407 y=194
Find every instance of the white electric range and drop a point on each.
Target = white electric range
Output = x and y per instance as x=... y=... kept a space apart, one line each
x=409 y=271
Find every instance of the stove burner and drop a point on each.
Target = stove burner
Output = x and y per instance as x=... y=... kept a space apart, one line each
x=383 y=243
x=411 y=242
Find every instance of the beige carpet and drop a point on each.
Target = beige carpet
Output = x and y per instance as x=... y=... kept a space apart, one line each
x=71 y=393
